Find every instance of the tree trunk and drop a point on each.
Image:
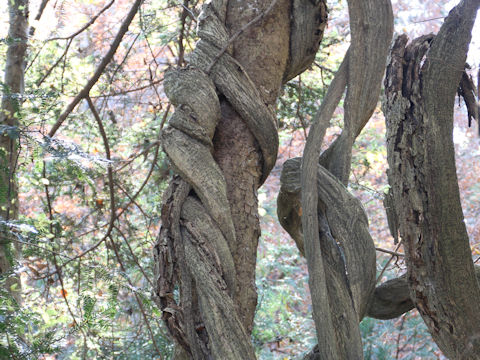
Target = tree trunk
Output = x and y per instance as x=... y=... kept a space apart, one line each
x=224 y=147
x=422 y=79
x=9 y=121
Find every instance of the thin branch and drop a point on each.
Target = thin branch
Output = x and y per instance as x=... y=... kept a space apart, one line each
x=39 y=247
x=399 y=349
x=299 y=104
x=426 y=20
x=100 y=69
x=190 y=13
x=49 y=71
x=116 y=216
x=137 y=298
x=134 y=257
x=181 y=49
x=86 y=26
x=321 y=67
x=132 y=201
x=34 y=58
x=124 y=92
x=109 y=168
x=55 y=262
x=134 y=156
x=124 y=58
x=394 y=253
x=389 y=261
x=147 y=149
x=42 y=7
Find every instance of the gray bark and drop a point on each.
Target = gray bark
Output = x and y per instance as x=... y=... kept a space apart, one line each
x=421 y=82
x=222 y=141
x=392 y=298
x=337 y=306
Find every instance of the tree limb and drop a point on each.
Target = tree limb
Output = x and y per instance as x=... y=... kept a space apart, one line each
x=99 y=70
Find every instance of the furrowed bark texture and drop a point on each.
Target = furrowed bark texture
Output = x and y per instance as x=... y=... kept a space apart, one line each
x=339 y=250
x=421 y=82
x=11 y=103
x=222 y=141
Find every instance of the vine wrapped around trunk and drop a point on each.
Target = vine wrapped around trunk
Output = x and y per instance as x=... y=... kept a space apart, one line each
x=199 y=249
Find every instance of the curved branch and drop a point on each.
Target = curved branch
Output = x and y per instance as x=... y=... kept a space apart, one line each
x=422 y=79
x=86 y=26
x=99 y=70
x=392 y=298
x=326 y=236
x=317 y=276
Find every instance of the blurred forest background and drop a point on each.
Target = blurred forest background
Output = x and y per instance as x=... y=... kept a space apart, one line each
x=90 y=197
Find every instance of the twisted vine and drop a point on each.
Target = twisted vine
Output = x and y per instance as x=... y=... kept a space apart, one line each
x=197 y=242
x=198 y=237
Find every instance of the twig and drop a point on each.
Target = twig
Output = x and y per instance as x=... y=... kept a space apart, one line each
x=86 y=26
x=299 y=104
x=49 y=71
x=124 y=58
x=388 y=262
x=124 y=92
x=39 y=247
x=134 y=156
x=426 y=20
x=399 y=349
x=238 y=33
x=321 y=67
x=55 y=263
x=154 y=59
x=190 y=13
x=181 y=49
x=116 y=216
x=134 y=257
x=113 y=216
x=147 y=149
x=109 y=168
x=390 y=252
x=133 y=201
x=139 y=301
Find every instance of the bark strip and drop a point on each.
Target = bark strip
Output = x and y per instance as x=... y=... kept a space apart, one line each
x=422 y=79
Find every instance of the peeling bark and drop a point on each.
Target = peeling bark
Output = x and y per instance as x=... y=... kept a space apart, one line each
x=222 y=141
x=421 y=82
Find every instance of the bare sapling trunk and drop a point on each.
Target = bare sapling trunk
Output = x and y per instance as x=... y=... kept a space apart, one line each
x=12 y=89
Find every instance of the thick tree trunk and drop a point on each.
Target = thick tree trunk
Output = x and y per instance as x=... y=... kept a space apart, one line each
x=224 y=147
x=422 y=79
x=11 y=103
